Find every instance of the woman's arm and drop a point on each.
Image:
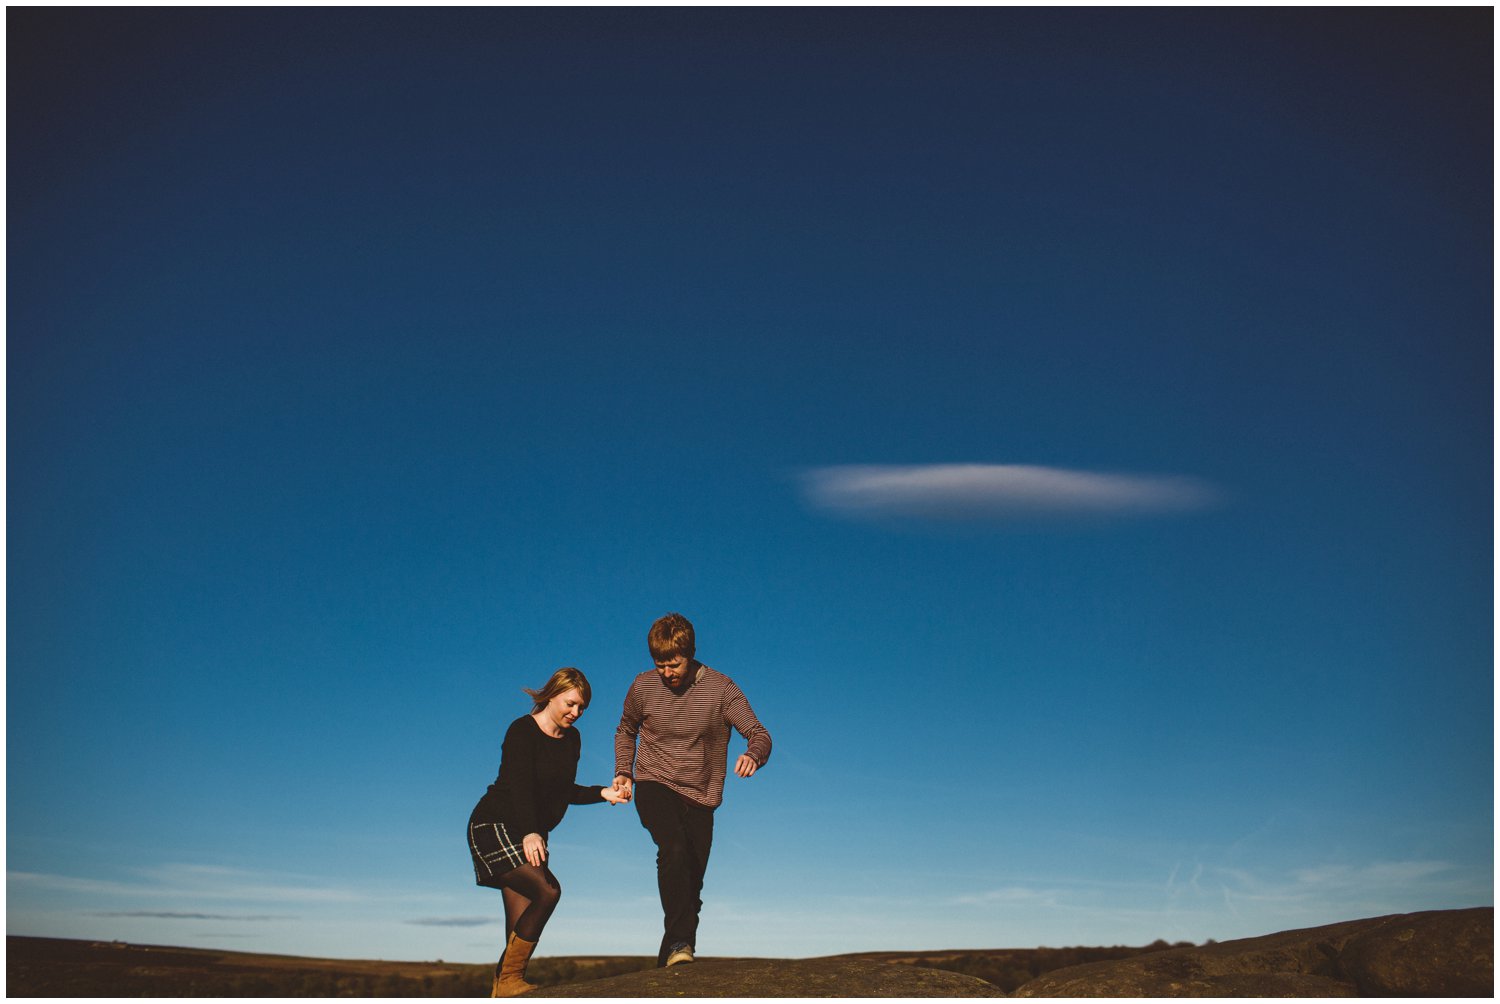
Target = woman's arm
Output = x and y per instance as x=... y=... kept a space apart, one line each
x=518 y=764
x=587 y=794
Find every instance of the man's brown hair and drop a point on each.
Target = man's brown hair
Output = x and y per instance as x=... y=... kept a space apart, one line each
x=670 y=637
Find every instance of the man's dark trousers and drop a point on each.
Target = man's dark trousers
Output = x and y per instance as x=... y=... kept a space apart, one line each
x=683 y=831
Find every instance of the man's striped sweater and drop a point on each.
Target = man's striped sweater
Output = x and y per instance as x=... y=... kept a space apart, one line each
x=684 y=736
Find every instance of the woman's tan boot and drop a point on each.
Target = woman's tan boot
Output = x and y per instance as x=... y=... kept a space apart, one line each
x=510 y=980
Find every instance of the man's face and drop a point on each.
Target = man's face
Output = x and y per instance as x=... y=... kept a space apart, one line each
x=673 y=670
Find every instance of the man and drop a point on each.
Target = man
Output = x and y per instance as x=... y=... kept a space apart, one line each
x=682 y=712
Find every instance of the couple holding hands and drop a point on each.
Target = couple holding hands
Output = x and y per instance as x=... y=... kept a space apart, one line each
x=681 y=713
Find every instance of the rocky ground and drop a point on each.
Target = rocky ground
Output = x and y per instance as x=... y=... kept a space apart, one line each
x=1446 y=953
x=1442 y=953
x=781 y=978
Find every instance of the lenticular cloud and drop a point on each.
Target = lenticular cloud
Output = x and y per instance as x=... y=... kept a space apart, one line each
x=997 y=492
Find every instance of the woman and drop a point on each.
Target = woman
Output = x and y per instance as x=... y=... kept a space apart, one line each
x=508 y=828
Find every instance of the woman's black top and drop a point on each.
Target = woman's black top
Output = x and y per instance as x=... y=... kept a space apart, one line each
x=535 y=785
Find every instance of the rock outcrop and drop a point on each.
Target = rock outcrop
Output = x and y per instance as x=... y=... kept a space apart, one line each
x=1443 y=953
x=1447 y=953
x=780 y=978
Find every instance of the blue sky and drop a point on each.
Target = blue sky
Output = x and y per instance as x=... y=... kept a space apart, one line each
x=1072 y=429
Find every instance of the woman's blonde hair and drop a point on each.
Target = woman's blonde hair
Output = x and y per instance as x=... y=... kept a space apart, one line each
x=562 y=681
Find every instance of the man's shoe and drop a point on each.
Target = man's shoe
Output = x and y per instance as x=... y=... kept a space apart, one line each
x=681 y=952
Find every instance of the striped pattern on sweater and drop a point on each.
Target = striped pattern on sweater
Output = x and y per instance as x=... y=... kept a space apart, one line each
x=684 y=738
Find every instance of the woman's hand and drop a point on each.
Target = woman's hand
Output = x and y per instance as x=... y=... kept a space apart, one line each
x=535 y=849
x=624 y=786
x=745 y=765
x=614 y=796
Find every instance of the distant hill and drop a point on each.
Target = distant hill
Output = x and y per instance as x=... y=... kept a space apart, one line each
x=46 y=967
x=1439 y=953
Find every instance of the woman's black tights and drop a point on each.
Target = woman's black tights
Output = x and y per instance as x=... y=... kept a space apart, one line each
x=531 y=894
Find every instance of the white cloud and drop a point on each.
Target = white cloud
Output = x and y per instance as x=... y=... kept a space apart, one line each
x=1382 y=875
x=193 y=882
x=997 y=492
x=182 y=915
x=1010 y=895
x=1328 y=893
x=456 y=921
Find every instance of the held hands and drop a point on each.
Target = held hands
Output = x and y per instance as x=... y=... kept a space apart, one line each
x=621 y=791
x=534 y=848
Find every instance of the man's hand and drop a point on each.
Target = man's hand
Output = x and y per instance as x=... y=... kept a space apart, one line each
x=624 y=786
x=614 y=796
x=534 y=848
x=745 y=765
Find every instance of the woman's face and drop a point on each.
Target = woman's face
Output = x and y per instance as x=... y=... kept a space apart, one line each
x=565 y=708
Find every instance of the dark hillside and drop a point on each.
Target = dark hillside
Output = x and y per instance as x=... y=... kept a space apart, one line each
x=54 y=967
x=1446 y=953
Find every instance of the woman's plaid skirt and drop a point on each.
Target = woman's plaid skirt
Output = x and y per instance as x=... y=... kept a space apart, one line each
x=493 y=851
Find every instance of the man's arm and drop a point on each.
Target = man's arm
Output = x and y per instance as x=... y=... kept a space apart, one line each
x=737 y=712
x=625 y=738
